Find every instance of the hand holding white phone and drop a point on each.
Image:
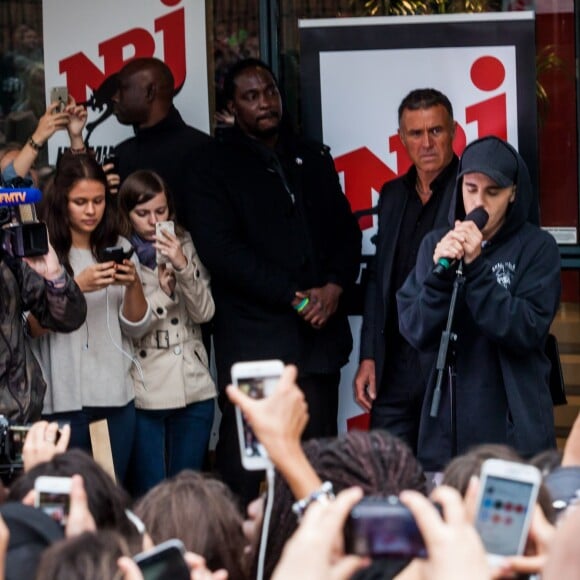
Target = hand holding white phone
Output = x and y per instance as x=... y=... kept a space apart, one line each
x=165 y=226
x=52 y=496
x=256 y=379
x=507 y=496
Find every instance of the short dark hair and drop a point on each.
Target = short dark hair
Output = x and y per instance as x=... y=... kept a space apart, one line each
x=237 y=69
x=424 y=99
x=160 y=71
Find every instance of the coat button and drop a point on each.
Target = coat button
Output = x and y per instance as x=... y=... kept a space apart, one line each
x=177 y=350
x=174 y=320
x=159 y=310
x=142 y=353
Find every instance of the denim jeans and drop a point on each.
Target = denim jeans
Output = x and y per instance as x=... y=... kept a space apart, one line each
x=168 y=441
x=121 y=423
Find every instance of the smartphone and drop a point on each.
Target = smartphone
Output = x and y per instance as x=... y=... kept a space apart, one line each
x=111 y=158
x=115 y=254
x=59 y=95
x=256 y=379
x=507 y=495
x=164 y=562
x=52 y=496
x=167 y=226
x=380 y=527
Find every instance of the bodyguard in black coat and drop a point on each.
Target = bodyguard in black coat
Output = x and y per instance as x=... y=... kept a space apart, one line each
x=271 y=223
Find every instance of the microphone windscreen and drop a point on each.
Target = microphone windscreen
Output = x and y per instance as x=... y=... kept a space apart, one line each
x=478 y=216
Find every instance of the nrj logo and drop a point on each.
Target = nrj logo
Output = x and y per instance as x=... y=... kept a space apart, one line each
x=94 y=86
x=364 y=172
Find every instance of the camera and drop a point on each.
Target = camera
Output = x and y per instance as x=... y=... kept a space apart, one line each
x=382 y=527
x=21 y=234
x=11 y=443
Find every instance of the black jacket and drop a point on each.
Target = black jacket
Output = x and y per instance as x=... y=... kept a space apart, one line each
x=265 y=232
x=168 y=148
x=505 y=307
x=377 y=314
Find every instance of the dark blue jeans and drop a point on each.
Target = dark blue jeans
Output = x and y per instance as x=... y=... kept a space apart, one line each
x=168 y=441
x=121 y=422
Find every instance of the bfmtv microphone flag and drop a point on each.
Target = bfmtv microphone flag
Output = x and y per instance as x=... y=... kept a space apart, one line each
x=354 y=74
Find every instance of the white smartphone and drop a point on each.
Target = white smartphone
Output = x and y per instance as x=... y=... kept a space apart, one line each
x=52 y=496
x=167 y=226
x=256 y=379
x=164 y=562
x=507 y=496
x=59 y=95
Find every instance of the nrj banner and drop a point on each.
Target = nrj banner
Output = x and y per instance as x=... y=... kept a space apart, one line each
x=354 y=74
x=86 y=42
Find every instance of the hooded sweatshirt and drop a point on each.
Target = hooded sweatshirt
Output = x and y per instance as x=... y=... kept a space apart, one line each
x=506 y=302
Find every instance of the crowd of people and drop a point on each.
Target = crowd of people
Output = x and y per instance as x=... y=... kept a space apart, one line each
x=249 y=239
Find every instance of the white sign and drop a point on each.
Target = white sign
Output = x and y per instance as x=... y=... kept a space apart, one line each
x=85 y=42
x=355 y=73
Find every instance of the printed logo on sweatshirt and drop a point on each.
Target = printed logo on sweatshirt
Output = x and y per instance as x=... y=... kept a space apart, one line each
x=504 y=273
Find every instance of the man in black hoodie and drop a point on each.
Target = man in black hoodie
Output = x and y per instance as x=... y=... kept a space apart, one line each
x=509 y=294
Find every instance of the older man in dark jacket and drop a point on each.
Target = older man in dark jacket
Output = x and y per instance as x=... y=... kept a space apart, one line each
x=271 y=223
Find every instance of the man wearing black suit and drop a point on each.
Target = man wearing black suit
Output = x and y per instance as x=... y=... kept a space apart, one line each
x=389 y=383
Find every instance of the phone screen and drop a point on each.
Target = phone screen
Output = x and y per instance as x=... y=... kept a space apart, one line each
x=56 y=505
x=255 y=387
x=386 y=531
x=502 y=514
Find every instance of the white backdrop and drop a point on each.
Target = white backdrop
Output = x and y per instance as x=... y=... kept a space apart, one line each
x=86 y=41
x=355 y=72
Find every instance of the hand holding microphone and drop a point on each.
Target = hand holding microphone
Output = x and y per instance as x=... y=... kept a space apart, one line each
x=463 y=242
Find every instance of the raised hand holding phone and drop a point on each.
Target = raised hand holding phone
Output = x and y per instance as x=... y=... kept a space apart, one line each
x=256 y=379
x=507 y=498
x=52 y=496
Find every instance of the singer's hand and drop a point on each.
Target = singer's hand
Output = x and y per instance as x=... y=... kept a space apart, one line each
x=472 y=239
x=463 y=241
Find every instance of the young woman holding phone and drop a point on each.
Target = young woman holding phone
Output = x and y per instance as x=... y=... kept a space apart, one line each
x=175 y=393
x=88 y=371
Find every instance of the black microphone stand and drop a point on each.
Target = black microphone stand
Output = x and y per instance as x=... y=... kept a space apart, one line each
x=447 y=337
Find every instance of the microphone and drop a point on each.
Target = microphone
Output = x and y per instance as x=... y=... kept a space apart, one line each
x=479 y=217
x=22 y=196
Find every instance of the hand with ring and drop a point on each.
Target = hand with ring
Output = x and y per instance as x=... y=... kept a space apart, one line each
x=41 y=443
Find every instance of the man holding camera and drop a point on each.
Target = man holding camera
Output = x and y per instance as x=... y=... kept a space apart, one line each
x=41 y=286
